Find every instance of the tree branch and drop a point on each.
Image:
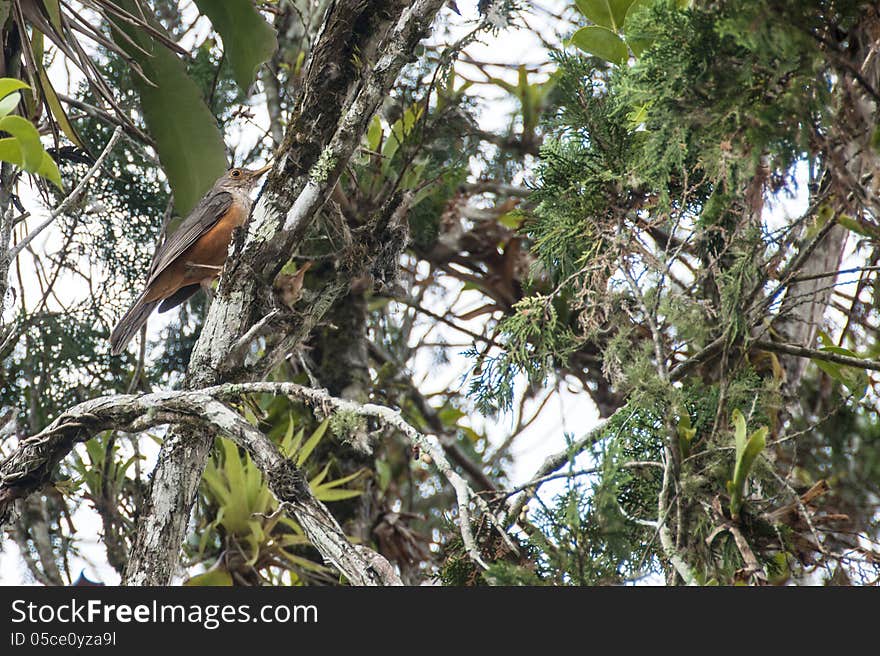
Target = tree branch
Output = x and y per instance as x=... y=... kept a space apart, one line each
x=816 y=354
x=71 y=197
x=559 y=460
x=31 y=464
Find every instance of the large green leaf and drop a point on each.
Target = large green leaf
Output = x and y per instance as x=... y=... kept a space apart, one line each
x=188 y=141
x=28 y=140
x=602 y=42
x=747 y=450
x=11 y=151
x=248 y=40
x=607 y=13
x=49 y=94
x=311 y=443
x=10 y=84
x=9 y=103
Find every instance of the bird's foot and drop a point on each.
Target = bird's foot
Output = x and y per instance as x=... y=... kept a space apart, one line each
x=212 y=267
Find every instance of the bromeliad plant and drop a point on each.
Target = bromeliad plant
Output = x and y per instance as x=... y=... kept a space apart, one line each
x=250 y=538
x=748 y=447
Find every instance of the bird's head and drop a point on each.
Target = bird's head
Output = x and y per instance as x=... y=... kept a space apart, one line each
x=242 y=178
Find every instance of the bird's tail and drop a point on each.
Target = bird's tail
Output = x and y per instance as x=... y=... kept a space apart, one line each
x=130 y=323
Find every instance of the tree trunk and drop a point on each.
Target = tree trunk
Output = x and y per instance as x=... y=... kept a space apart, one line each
x=341 y=93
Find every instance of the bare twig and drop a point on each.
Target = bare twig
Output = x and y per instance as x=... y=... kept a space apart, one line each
x=816 y=354
x=71 y=197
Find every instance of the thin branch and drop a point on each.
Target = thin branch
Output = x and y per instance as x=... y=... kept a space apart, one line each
x=537 y=482
x=73 y=196
x=815 y=354
x=31 y=464
x=560 y=459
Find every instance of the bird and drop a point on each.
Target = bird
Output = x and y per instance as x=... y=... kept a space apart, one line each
x=193 y=256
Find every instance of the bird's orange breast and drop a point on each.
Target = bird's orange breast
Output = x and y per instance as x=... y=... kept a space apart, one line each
x=209 y=249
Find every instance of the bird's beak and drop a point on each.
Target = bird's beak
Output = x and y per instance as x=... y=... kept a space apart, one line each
x=259 y=172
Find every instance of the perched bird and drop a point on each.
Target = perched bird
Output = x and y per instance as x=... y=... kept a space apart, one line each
x=289 y=287
x=194 y=255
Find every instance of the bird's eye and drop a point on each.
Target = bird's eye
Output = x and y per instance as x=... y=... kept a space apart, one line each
x=236 y=173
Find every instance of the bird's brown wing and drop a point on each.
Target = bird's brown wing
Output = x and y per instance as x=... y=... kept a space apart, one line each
x=210 y=209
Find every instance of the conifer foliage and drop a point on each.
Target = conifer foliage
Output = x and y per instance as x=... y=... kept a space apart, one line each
x=741 y=449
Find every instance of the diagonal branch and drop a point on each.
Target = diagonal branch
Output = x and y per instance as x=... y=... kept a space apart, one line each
x=816 y=354
x=71 y=197
x=31 y=464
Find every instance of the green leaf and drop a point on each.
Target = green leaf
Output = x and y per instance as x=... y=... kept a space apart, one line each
x=336 y=495
x=316 y=481
x=28 y=140
x=296 y=442
x=9 y=103
x=739 y=432
x=601 y=42
x=10 y=151
x=637 y=116
x=399 y=132
x=49 y=169
x=383 y=472
x=607 y=13
x=686 y=434
x=512 y=220
x=757 y=442
x=854 y=379
x=10 y=84
x=342 y=481
x=747 y=451
x=50 y=96
x=232 y=465
x=637 y=41
x=53 y=9
x=312 y=442
x=214 y=577
x=449 y=415
x=374 y=134
x=305 y=563
x=287 y=441
x=289 y=540
x=470 y=433
x=216 y=485
x=188 y=141
x=248 y=40
x=864 y=229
